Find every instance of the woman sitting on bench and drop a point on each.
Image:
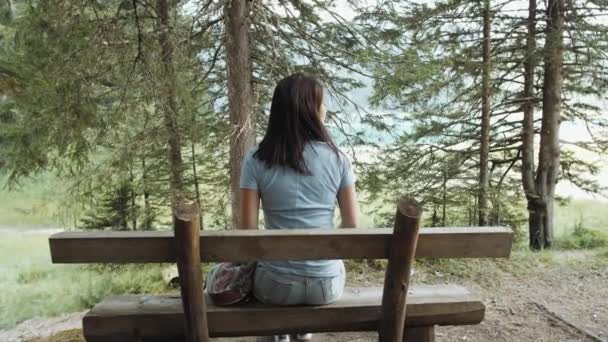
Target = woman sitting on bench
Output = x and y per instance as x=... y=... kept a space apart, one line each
x=298 y=173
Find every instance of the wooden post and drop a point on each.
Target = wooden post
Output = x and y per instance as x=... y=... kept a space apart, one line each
x=397 y=278
x=187 y=247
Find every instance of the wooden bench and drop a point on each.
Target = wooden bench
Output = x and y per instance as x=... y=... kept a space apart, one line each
x=162 y=318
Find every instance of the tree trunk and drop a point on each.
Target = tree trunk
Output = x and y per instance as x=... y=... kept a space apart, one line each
x=496 y=219
x=549 y=153
x=144 y=179
x=470 y=211
x=535 y=210
x=435 y=217
x=485 y=118
x=132 y=195
x=537 y=205
x=445 y=190
x=197 y=191
x=10 y=10
x=168 y=98
x=240 y=94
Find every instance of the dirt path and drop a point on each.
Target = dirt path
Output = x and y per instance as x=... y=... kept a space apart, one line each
x=562 y=305
x=539 y=307
x=35 y=328
x=560 y=302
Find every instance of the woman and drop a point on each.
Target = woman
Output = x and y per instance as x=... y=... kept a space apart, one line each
x=298 y=173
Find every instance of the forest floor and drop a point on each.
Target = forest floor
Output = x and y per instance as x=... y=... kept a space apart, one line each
x=548 y=296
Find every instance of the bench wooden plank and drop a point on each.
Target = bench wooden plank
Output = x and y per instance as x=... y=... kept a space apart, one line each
x=247 y=245
x=160 y=317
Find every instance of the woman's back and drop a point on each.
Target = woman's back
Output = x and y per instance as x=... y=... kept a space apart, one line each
x=292 y=200
x=297 y=174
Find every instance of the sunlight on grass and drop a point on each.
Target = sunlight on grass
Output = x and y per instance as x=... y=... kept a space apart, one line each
x=31 y=286
x=74 y=335
x=34 y=202
x=591 y=214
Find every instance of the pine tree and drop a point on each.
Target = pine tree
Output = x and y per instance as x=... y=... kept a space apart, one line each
x=114 y=210
x=240 y=93
x=432 y=72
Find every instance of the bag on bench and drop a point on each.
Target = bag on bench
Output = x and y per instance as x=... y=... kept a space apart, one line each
x=230 y=283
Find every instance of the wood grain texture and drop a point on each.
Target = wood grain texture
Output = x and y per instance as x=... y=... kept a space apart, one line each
x=397 y=276
x=160 y=317
x=187 y=230
x=419 y=334
x=244 y=245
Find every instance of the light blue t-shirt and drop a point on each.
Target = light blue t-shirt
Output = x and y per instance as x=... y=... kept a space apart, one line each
x=291 y=200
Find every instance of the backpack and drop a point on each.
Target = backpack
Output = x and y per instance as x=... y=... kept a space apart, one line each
x=230 y=283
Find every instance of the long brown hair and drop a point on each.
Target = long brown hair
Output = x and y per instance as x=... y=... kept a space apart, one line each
x=294 y=122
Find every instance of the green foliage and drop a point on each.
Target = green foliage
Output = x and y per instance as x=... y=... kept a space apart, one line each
x=81 y=83
x=31 y=286
x=114 y=210
x=37 y=202
x=133 y=279
x=427 y=73
x=32 y=275
x=583 y=238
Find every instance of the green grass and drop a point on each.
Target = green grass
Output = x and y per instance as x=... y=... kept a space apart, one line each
x=35 y=202
x=588 y=213
x=31 y=286
x=583 y=238
x=581 y=224
x=74 y=335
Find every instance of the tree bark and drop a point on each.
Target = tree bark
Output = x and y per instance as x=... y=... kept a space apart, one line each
x=527 y=159
x=10 y=10
x=485 y=117
x=168 y=99
x=445 y=190
x=540 y=204
x=144 y=179
x=549 y=154
x=197 y=190
x=132 y=195
x=470 y=211
x=240 y=94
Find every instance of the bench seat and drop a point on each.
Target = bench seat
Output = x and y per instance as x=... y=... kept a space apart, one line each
x=161 y=318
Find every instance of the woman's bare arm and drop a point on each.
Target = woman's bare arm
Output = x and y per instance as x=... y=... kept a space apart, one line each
x=250 y=208
x=349 y=210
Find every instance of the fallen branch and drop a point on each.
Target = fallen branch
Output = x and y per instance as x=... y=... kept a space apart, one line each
x=556 y=316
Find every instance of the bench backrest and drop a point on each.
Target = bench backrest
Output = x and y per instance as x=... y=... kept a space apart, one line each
x=188 y=246
x=297 y=244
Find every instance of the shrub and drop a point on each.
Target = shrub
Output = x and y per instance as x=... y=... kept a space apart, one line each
x=583 y=238
x=32 y=274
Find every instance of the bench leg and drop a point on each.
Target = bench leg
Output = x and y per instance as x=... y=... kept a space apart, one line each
x=419 y=334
